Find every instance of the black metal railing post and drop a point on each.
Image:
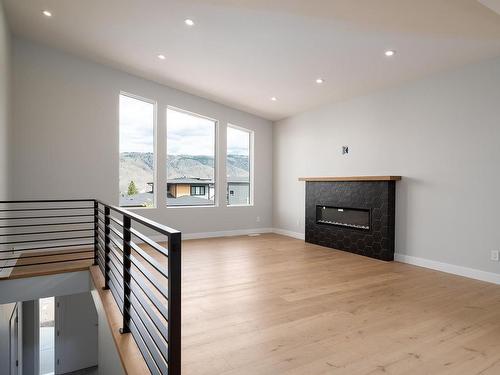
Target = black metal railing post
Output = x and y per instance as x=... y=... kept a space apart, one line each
x=127 y=274
x=107 y=242
x=96 y=233
x=174 y=304
x=152 y=310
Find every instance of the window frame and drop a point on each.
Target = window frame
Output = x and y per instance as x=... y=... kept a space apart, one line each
x=251 y=168
x=201 y=188
x=216 y=157
x=155 y=148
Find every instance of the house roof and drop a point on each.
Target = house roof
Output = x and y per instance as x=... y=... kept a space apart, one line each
x=188 y=200
x=190 y=180
x=195 y=180
x=238 y=179
x=143 y=199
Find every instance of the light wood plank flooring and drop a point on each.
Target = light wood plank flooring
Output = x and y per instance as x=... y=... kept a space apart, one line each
x=64 y=258
x=275 y=305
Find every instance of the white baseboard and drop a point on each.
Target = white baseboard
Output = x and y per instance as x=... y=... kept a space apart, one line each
x=226 y=233
x=241 y=232
x=421 y=262
x=471 y=273
x=283 y=232
x=231 y=233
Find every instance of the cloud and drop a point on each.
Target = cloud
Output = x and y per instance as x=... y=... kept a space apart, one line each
x=186 y=134
x=238 y=142
x=189 y=135
x=136 y=125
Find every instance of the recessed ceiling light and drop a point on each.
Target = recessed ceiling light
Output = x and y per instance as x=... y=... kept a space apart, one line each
x=189 y=22
x=390 y=53
x=273 y=98
x=319 y=81
x=47 y=13
x=161 y=57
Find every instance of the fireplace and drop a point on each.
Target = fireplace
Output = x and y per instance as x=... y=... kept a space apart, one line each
x=355 y=218
x=355 y=214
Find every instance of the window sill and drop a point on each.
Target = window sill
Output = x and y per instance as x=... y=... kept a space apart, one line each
x=207 y=206
x=137 y=208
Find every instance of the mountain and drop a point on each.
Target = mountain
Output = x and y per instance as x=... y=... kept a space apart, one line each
x=190 y=166
x=138 y=167
x=237 y=166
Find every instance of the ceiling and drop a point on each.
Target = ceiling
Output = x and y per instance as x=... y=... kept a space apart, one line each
x=243 y=52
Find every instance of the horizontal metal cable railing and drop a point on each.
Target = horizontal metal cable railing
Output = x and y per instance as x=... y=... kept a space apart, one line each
x=43 y=232
x=145 y=279
x=139 y=258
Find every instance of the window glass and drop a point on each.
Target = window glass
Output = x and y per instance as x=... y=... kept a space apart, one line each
x=137 y=159
x=190 y=159
x=238 y=166
x=46 y=335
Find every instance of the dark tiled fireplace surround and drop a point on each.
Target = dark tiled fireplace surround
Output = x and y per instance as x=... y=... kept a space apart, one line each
x=355 y=215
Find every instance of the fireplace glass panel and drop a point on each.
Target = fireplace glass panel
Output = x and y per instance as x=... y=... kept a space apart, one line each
x=342 y=216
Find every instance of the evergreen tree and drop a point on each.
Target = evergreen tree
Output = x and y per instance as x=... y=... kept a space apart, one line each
x=132 y=189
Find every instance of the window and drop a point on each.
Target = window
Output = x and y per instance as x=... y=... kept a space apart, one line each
x=137 y=158
x=238 y=164
x=197 y=190
x=190 y=159
x=46 y=335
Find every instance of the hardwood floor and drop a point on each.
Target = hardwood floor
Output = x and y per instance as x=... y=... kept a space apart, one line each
x=275 y=305
x=66 y=265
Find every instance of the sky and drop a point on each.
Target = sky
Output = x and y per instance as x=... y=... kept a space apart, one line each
x=186 y=134
x=136 y=125
x=238 y=142
x=189 y=135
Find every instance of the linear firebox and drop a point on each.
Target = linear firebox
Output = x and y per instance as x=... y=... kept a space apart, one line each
x=355 y=218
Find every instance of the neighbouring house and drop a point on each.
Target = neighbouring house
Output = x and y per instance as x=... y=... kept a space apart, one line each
x=238 y=190
x=190 y=191
x=184 y=191
x=191 y=187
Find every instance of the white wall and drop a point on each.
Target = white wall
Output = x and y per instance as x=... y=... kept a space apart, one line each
x=32 y=288
x=65 y=116
x=442 y=134
x=5 y=314
x=29 y=347
x=108 y=360
x=5 y=310
x=76 y=343
x=4 y=103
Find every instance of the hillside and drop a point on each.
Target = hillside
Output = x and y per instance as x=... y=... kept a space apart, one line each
x=138 y=166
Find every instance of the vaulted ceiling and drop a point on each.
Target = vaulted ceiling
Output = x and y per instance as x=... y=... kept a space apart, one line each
x=243 y=52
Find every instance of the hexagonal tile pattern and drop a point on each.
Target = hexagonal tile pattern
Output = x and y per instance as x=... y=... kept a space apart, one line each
x=377 y=196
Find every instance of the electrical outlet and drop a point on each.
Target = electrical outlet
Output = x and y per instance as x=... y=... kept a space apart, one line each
x=258 y=219
x=494 y=255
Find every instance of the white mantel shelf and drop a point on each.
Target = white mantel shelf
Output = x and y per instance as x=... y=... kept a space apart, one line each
x=352 y=178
